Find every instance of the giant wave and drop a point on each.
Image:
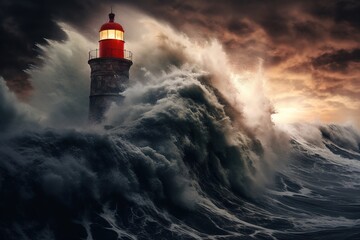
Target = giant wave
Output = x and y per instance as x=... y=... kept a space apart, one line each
x=173 y=166
x=184 y=157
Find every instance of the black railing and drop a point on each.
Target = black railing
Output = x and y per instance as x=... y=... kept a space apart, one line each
x=95 y=53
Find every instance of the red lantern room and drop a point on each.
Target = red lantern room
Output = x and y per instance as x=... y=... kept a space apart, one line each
x=111 y=43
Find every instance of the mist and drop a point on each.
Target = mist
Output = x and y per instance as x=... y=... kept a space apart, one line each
x=191 y=152
x=61 y=86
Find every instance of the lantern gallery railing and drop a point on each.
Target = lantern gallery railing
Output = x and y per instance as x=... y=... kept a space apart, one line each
x=95 y=53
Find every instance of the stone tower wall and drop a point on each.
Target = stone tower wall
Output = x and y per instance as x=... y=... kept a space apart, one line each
x=109 y=78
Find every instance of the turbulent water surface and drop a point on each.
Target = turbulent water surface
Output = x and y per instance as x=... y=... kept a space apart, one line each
x=174 y=164
x=191 y=153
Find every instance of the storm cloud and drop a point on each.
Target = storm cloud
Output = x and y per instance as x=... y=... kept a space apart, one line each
x=303 y=43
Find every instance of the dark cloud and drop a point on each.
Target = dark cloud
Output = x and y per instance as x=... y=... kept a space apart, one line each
x=309 y=30
x=337 y=61
x=348 y=11
x=276 y=26
x=24 y=24
x=299 y=35
x=239 y=27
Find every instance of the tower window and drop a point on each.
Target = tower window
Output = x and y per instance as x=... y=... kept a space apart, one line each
x=112 y=34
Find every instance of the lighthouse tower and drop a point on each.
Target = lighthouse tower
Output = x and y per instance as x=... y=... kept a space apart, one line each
x=110 y=65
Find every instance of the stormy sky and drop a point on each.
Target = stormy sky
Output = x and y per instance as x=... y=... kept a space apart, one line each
x=310 y=49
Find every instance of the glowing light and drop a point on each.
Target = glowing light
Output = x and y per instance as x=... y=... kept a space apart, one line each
x=112 y=34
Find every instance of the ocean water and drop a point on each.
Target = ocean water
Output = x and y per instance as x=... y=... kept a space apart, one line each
x=175 y=162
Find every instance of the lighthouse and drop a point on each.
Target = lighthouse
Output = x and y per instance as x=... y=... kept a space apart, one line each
x=110 y=65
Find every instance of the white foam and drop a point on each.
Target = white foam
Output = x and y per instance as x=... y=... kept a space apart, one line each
x=325 y=222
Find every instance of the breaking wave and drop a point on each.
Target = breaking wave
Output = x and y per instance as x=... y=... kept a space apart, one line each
x=169 y=147
x=180 y=159
x=172 y=165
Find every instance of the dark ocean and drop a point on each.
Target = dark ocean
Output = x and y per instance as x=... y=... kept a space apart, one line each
x=176 y=161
